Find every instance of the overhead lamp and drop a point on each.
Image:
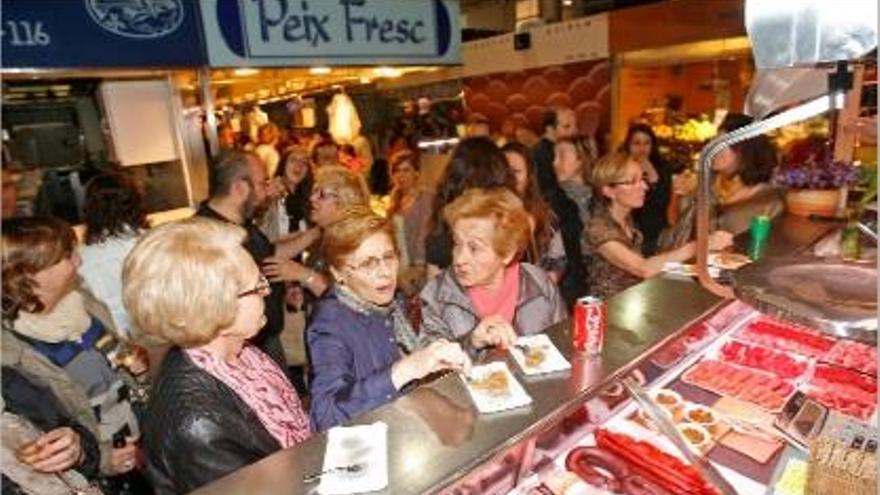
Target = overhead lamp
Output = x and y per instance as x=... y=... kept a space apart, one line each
x=387 y=72
x=245 y=71
x=320 y=71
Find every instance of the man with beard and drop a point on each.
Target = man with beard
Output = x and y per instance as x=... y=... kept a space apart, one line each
x=238 y=191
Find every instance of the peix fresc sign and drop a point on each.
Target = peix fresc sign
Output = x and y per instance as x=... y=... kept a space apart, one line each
x=330 y=32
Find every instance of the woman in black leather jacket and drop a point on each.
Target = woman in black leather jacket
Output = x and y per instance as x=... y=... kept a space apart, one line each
x=219 y=403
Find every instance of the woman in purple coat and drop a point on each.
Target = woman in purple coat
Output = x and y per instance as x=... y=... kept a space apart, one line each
x=359 y=340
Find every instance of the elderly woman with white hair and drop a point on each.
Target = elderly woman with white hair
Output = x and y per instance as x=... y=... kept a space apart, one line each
x=219 y=402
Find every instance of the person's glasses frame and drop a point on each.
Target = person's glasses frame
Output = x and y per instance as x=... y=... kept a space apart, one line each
x=372 y=264
x=262 y=288
x=633 y=183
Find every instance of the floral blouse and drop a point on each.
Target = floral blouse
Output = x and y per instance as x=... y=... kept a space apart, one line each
x=605 y=278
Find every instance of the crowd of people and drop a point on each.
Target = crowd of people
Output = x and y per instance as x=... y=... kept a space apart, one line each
x=162 y=358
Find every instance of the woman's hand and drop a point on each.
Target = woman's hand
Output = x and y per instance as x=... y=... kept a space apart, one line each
x=720 y=240
x=135 y=359
x=279 y=269
x=439 y=355
x=54 y=451
x=493 y=331
x=122 y=459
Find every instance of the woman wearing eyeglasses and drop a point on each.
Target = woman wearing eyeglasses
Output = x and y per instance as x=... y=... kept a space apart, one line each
x=488 y=297
x=335 y=189
x=219 y=402
x=611 y=240
x=360 y=343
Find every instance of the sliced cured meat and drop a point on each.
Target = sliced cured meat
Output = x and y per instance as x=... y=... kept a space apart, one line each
x=767 y=391
x=762 y=358
x=853 y=355
x=844 y=390
x=786 y=337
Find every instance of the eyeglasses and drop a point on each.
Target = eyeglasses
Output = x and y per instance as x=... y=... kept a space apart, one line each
x=262 y=288
x=632 y=182
x=322 y=194
x=371 y=265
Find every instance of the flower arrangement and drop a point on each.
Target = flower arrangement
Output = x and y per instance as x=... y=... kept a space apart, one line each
x=829 y=175
x=809 y=164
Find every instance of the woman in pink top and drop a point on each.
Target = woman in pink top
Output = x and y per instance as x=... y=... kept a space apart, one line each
x=488 y=297
x=219 y=403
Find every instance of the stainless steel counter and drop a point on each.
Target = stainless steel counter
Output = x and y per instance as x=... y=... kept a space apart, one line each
x=435 y=436
x=790 y=235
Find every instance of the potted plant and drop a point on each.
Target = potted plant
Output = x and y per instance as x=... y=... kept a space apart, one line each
x=815 y=183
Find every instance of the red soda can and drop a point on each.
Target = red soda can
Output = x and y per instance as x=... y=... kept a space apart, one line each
x=590 y=321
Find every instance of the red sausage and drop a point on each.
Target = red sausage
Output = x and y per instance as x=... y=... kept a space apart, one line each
x=584 y=460
x=639 y=485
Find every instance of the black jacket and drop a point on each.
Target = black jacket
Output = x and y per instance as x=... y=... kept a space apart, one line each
x=197 y=429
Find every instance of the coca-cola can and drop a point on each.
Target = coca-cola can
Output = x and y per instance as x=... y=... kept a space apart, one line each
x=590 y=321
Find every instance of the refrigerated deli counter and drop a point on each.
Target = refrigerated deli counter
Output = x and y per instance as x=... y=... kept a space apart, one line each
x=722 y=371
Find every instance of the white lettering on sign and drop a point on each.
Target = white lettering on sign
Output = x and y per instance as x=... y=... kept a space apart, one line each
x=25 y=33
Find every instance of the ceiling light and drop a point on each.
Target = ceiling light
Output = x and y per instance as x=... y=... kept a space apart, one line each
x=387 y=72
x=320 y=71
x=245 y=71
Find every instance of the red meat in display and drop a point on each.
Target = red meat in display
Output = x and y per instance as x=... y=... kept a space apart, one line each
x=844 y=390
x=752 y=386
x=785 y=337
x=762 y=358
x=853 y=355
x=654 y=465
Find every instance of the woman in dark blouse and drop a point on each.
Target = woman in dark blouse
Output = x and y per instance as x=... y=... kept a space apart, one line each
x=612 y=240
x=359 y=339
x=650 y=219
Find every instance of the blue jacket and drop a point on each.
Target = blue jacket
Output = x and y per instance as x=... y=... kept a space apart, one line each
x=351 y=355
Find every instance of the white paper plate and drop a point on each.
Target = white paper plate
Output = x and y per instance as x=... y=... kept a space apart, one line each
x=553 y=360
x=492 y=402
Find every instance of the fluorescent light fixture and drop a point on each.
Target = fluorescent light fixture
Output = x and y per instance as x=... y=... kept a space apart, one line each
x=245 y=71
x=387 y=72
x=320 y=71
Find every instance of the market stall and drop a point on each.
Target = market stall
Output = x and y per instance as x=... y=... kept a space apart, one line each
x=666 y=332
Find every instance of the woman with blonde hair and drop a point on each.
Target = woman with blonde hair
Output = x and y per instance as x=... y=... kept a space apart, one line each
x=335 y=189
x=219 y=402
x=362 y=347
x=487 y=297
x=611 y=240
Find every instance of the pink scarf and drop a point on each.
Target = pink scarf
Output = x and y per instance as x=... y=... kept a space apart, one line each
x=260 y=384
x=503 y=302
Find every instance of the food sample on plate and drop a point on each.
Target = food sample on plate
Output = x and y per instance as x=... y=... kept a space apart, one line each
x=727 y=379
x=696 y=436
x=853 y=355
x=703 y=416
x=494 y=383
x=787 y=337
x=728 y=261
x=844 y=390
x=762 y=358
x=659 y=472
x=534 y=357
x=670 y=400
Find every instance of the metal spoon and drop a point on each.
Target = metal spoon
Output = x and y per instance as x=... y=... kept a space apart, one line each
x=353 y=468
